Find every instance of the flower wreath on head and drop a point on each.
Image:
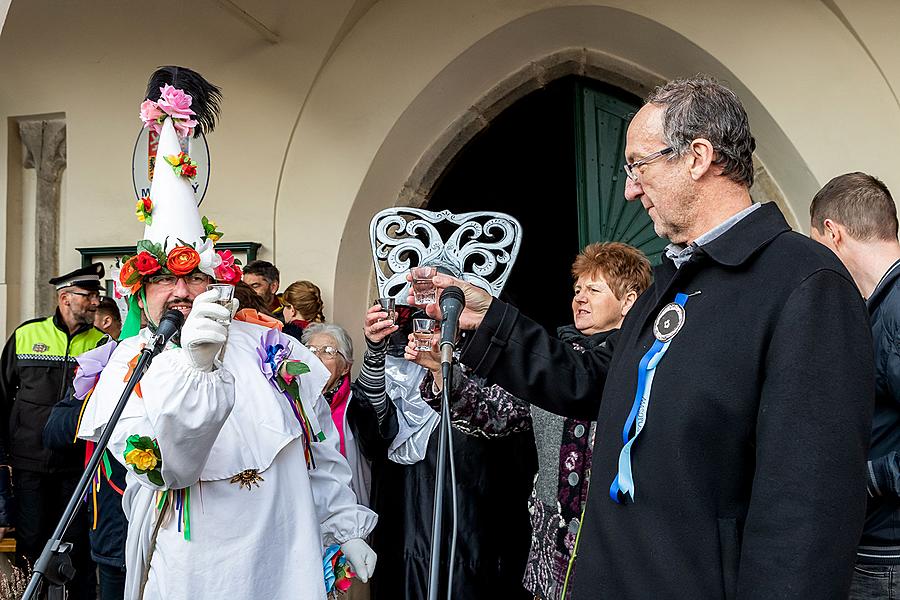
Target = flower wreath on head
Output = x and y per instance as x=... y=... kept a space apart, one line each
x=179 y=259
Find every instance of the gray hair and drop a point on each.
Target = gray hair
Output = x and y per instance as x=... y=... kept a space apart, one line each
x=701 y=107
x=344 y=343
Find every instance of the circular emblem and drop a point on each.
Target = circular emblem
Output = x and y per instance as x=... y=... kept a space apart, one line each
x=669 y=322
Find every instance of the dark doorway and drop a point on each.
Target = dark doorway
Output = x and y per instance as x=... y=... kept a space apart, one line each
x=531 y=163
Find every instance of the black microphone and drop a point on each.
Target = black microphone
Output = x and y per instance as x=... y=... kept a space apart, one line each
x=169 y=325
x=452 y=303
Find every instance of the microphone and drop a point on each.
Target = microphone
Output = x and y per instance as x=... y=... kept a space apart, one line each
x=452 y=303
x=169 y=325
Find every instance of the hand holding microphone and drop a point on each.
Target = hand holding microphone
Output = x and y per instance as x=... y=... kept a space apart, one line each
x=452 y=303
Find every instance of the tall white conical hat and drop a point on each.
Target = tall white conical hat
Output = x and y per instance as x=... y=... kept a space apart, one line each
x=175 y=214
x=176 y=240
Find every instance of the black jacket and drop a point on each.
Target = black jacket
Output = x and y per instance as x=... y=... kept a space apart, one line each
x=492 y=490
x=750 y=470
x=108 y=538
x=881 y=534
x=36 y=368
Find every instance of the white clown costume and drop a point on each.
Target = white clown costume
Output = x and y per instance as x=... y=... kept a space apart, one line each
x=235 y=486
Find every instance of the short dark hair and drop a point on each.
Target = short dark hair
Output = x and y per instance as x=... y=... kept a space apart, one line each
x=701 y=107
x=264 y=269
x=109 y=307
x=624 y=267
x=859 y=202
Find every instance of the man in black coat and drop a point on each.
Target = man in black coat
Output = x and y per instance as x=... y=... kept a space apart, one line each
x=854 y=215
x=741 y=380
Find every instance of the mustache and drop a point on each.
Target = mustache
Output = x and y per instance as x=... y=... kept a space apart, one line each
x=179 y=300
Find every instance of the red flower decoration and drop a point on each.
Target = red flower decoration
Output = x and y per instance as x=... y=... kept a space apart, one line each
x=129 y=276
x=146 y=263
x=182 y=260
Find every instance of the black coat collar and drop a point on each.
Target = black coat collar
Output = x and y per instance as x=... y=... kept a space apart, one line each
x=750 y=234
x=733 y=248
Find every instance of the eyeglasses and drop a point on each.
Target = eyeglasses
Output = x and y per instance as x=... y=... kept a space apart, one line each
x=631 y=169
x=88 y=295
x=330 y=351
x=169 y=281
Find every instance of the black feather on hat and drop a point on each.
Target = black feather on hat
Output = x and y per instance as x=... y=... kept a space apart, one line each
x=204 y=95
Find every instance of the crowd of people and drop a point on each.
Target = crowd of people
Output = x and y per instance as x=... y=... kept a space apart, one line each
x=766 y=466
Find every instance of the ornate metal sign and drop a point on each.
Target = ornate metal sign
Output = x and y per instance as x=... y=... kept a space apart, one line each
x=481 y=246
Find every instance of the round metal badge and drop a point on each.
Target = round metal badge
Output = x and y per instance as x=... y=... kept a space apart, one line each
x=669 y=322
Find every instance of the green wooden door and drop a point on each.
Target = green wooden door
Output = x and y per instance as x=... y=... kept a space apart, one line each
x=603 y=213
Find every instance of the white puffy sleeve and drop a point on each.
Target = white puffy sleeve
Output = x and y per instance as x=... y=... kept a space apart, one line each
x=166 y=431
x=341 y=516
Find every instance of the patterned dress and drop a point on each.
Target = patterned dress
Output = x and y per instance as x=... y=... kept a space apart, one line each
x=560 y=489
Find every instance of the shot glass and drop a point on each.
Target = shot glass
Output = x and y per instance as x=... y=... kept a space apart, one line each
x=225 y=293
x=423 y=333
x=424 y=291
x=389 y=306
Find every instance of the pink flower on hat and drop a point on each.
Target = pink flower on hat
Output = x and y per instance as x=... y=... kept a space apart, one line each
x=228 y=271
x=150 y=114
x=184 y=128
x=175 y=102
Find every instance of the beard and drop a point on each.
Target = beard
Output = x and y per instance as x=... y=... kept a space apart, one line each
x=85 y=317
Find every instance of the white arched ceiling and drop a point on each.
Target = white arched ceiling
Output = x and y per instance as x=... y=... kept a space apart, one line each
x=392 y=89
x=407 y=71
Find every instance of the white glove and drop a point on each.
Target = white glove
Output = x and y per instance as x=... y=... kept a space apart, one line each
x=205 y=331
x=361 y=558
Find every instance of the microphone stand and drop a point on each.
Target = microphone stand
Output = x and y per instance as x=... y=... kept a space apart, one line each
x=54 y=563
x=443 y=437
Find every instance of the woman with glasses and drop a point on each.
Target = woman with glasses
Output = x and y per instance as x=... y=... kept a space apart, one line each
x=331 y=344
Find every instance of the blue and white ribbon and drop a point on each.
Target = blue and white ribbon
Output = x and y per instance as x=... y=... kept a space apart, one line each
x=622 y=487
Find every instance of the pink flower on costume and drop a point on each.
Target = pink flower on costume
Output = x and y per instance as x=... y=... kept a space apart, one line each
x=150 y=114
x=227 y=271
x=175 y=102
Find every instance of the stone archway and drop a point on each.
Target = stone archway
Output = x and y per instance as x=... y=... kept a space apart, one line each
x=416 y=150
x=571 y=61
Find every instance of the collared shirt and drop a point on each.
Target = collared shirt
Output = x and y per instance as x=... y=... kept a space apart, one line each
x=680 y=254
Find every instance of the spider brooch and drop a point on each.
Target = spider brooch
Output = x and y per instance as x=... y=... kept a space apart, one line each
x=248 y=478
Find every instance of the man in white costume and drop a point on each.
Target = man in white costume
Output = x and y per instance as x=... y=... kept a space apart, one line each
x=235 y=487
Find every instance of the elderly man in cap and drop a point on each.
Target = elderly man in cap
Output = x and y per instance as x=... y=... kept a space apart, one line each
x=36 y=368
x=734 y=406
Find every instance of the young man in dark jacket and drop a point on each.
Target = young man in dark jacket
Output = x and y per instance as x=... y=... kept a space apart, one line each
x=734 y=408
x=855 y=216
x=36 y=368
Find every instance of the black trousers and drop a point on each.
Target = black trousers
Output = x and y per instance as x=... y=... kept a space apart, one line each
x=41 y=499
x=112 y=582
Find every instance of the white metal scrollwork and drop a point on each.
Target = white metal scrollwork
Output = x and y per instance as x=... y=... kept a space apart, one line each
x=481 y=246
